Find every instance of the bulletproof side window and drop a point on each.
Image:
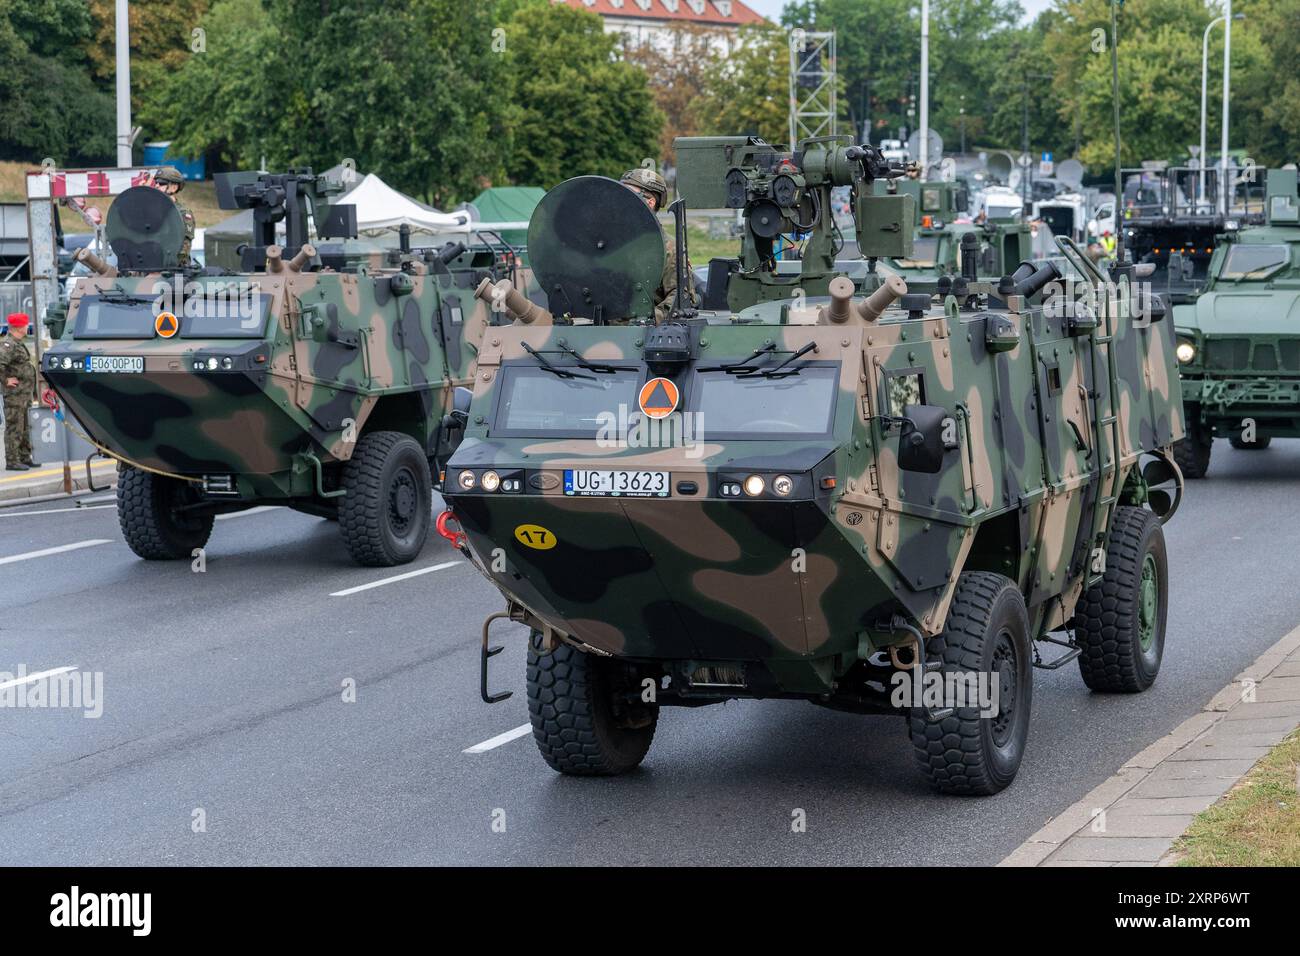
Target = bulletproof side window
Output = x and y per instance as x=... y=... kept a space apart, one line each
x=904 y=387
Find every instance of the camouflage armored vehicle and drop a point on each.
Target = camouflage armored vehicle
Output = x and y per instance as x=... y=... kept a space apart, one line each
x=1239 y=341
x=942 y=242
x=309 y=379
x=863 y=501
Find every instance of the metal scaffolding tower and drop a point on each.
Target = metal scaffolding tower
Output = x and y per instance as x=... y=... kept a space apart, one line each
x=813 y=85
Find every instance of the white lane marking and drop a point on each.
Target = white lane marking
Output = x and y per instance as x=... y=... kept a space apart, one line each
x=493 y=742
x=59 y=550
x=243 y=514
x=57 y=511
x=35 y=677
x=397 y=577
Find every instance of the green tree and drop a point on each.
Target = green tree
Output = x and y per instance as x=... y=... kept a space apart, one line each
x=412 y=91
x=749 y=91
x=1159 y=73
x=162 y=34
x=217 y=103
x=49 y=107
x=878 y=43
x=1266 y=100
x=577 y=107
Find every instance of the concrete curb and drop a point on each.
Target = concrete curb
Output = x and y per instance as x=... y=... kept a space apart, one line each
x=1133 y=818
x=47 y=488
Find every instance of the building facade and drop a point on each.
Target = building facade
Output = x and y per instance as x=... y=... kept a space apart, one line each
x=662 y=23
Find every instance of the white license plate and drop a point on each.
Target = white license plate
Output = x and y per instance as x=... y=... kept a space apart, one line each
x=114 y=363
x=631 y=484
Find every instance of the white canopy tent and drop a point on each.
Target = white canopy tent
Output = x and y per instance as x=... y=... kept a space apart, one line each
x=381 y=208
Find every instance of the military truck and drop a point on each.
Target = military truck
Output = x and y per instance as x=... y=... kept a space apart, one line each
x=1239 y=341
x=308 y=379
x=863 y=500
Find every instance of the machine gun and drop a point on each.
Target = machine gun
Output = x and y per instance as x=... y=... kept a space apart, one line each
x=783 y=193
x=289 y=197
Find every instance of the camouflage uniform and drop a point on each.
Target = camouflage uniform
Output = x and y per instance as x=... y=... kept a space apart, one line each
x=172 y=176
x=666 y=294
x=645 y=180
x=16 y=362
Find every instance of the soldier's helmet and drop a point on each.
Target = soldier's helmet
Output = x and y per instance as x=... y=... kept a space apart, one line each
x=170 y=176
x=649 y=181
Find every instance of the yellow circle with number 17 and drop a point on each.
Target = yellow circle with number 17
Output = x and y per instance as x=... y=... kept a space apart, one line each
x=535 y=536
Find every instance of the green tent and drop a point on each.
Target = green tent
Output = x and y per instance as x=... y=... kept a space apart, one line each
x=509 y=204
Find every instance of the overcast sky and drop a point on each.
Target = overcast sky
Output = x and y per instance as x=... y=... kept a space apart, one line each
x=772 y=8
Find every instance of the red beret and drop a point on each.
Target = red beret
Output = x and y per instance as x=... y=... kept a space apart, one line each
x=18 y=318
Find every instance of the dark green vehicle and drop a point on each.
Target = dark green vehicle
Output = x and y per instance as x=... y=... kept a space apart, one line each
x=1239 y=341
x=875 y=500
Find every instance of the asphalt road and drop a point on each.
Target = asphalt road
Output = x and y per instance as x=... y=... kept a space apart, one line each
x=223 y=692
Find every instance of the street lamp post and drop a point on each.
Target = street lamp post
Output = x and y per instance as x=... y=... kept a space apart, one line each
x=1205 y=64
x=925 y=87
x=1227 y=54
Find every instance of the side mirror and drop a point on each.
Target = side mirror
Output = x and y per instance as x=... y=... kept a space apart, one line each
x=459 y=414
x=927 y=435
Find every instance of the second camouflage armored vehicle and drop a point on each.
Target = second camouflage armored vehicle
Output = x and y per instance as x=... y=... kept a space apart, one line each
x=941 y=241
x=881 y=503
x=306 y=379
x=1239 y=341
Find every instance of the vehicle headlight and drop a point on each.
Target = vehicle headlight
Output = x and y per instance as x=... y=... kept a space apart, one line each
x=1185 y=352
x=67 y=362
x=227 y=362
x=212 y=364
x=466 y=480
x=783 y=485
x=491 y=480
x=754 y=485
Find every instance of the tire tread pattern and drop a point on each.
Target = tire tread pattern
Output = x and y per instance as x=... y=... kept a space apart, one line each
x=562 y=707
x=144 y=523
x=1107 y=616
x=949 y=751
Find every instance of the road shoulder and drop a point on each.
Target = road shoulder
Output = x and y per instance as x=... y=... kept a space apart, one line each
x=1135 y=817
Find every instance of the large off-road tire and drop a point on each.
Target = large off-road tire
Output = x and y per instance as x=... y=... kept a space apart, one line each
x=581 y=722
x=151 y=524
x=987 y=631
x=1259 y=444
x=386 y=513
x=1120 y=622
x=1193 y=452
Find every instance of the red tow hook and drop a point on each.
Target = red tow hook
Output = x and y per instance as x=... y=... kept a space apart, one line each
x=458 y=539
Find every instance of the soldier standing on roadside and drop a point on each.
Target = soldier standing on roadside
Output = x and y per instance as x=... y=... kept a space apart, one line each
x=652 y=188
x=170 y=182
x=18 y=378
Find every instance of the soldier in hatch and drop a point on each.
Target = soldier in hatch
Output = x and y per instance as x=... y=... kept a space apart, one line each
x=170 y=181
x=650 y=186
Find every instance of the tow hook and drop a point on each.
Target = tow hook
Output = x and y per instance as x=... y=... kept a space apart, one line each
x=458 y=539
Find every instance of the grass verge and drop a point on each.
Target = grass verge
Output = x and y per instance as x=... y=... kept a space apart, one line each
x=1257 y=823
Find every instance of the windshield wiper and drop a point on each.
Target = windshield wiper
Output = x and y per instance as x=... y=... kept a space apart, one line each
x=544 y=363
x=776 y=370
x=595 y=366
x=743 y=365
x=119 y=295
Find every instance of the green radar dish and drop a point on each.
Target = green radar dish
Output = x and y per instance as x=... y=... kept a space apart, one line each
x=597 y=250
